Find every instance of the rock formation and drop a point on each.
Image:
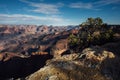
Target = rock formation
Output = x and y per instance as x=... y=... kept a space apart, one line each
x=30 y=52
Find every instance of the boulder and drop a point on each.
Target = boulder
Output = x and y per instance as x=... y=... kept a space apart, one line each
x=96 y=54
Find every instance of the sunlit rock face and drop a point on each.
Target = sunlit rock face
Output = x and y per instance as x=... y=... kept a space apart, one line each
x=20 y=38
x=97 y=54
x=66 y=68
x=60 y=47
x=28 y=29
x=18 y=29
x=8 y=55
x=91 y=64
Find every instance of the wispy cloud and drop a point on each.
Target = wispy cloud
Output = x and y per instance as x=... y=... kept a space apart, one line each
x=30 y=19
x=81 y=5
x=93 y=5
x=44 y=7
x=101 y=3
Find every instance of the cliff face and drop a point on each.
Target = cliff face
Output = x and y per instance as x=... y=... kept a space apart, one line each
x=29 y=38
x=60 y=47
x=85 y=66
x=28 y=29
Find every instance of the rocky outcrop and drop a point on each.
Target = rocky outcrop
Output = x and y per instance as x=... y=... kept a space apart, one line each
x=60 y=47
x=96 y=54
x=39 y=53
x=7 y=56
x=91 y=64
x=66 y=69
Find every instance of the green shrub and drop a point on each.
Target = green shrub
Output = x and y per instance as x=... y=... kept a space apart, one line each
x=91 y=32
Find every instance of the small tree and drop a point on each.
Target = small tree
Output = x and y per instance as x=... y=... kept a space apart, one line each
x=73 y=41
x=91 y=32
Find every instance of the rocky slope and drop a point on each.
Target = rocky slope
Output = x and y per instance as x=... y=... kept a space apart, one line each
x=84 y=66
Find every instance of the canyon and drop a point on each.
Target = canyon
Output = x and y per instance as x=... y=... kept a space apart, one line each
x=25 y=49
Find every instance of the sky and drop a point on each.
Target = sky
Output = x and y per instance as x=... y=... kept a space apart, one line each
x=58 y=12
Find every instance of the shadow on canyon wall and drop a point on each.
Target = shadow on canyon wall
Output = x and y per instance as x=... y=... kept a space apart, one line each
x=21 y=67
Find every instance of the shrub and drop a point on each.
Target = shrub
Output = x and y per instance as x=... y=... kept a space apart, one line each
x=91 y=32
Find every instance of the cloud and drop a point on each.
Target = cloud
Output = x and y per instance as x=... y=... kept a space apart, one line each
x=101 y=3
x=30 y=19
x=44 y=7
x=93 y=5
x=81 y=5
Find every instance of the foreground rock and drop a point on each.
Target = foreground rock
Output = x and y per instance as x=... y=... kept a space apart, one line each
x=96 y=54
x=94 y=63
x=88 y=65
x=66 y=70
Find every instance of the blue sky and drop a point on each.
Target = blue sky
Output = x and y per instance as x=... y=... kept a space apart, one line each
x=58 y=12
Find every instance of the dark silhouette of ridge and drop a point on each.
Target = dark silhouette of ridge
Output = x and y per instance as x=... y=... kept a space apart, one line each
x=18 y=67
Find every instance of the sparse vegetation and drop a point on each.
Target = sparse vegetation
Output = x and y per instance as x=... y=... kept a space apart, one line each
x=91 y=32
x=73 y=41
